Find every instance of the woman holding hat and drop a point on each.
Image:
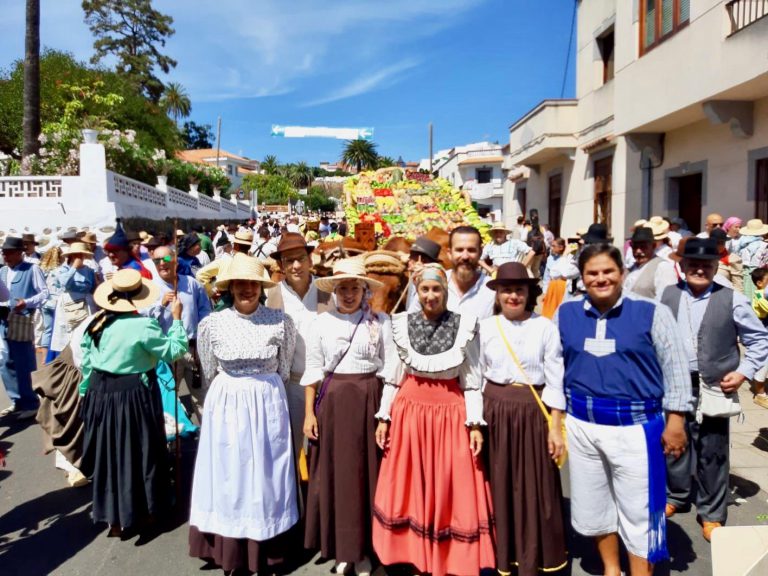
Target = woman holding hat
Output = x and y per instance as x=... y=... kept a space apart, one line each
x=346 y=355
x=244 y=492
x=74 y=283
x=124 y=451
x=522 y=364
x=432 y=507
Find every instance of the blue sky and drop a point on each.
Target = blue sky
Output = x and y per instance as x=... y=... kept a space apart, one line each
x=471 y=67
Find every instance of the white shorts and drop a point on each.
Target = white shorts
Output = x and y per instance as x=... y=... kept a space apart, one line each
x=608 y=468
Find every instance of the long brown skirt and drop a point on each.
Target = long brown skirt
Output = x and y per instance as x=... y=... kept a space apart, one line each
x=343 y=469
x=240 y=553
x=525 y=483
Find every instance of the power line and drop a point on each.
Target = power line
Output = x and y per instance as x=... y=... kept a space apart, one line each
x=570 y=43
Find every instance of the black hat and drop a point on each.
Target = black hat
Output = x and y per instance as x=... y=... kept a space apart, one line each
x=701 y=249
x=596 y=233
x=427 y=247
x=642 y=234
x=719 y=235
x=30 y=238
x=118 y=240
x=12 y=243
x=223 y=240
x=511 y=273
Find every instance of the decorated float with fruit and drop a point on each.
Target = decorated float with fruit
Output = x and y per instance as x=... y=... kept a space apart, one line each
x=408 y=204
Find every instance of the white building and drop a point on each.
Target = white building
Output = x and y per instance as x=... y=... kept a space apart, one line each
x=477 y=169
x=670 y=117
x=235 y=167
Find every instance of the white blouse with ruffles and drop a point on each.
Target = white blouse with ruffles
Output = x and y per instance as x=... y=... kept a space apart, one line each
x=536 y=342
x=329 y=336
x=461 y=361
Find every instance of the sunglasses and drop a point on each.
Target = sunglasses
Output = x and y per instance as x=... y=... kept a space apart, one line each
x=168 y=258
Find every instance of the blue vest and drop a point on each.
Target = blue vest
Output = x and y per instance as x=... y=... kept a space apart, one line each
x=630 y=373
x=23 y=285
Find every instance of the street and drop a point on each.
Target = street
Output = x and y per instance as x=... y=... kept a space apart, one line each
x=45 y=527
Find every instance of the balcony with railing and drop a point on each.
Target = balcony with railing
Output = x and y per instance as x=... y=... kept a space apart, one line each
x=743 y=13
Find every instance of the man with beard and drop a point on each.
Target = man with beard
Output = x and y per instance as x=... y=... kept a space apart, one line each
x=298 y=296
x=466 y=282
x=650 y=274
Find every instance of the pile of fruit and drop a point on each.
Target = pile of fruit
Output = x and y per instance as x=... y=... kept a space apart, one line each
x=409 y=204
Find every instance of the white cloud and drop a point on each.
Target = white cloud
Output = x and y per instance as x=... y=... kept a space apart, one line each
x=367 y=82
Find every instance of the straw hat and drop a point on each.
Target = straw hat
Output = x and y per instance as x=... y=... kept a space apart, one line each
x=385 y=261
x=90 y=238
x=754 y=227
x=244 y=237
x=180 y=233
x=244 y=267
x=499 y=227
x=347 y=269
x=76 y=248
x=659 y=226
x=126 y=291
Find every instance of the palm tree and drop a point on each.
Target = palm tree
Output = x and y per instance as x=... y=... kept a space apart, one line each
x=304 y=174
x=385 y=162
x=176 y=101
x=360 y=154
x=270 y=165
x=31 y=118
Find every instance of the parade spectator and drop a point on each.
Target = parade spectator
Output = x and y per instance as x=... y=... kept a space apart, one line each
x=31 y=254
x=730 y=269
x=189 y=249
x=244 y=492
x=713 y=221
x=263 y=248
x=650 y=274
x=51 y=260
x=522 y=366
x=423 y=251
x=120 y=254
x=732 y=227
x=556 y=251
x=346 y=356
x=241 y=243
x=124 y=451
x=206 y=244
x=324 y=228
x=680 y=226
x=626 y=251
x=711 y=320
x=522 y=228
x=432 y=479
x=74 y=283
x=343 y=227
x=502 y=250
x=752 y=247
x=27 y=292
x=299 y=297
x=624 y=368
x=760 y=306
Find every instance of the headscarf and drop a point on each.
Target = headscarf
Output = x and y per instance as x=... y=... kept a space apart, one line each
x=731 y=222
x=432 y=271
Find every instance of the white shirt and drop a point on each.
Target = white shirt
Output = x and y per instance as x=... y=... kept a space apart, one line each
x=510 y=251
x=536 y=342
x=303 y=313
x=329 y=337
x=664 y=276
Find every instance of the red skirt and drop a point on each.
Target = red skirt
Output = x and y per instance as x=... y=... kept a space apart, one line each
x=433 y=504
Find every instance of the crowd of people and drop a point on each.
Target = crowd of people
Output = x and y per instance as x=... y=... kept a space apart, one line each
x=433 y=437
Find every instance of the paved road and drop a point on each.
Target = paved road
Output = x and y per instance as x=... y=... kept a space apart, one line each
x=45 y=526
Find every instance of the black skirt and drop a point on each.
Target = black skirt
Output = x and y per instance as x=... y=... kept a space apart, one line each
x=124 y=451
x=525 y=483
x=344 y=468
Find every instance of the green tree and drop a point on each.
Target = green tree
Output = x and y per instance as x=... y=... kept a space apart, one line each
x=131 y=31
x=176 y=102
x=303 y=175
x=318 y=200
x=154 y=129
x=360 y=154
x=197 y=136
x=270 y=165
x=385 y=162
x=31 y=122
x=271 y=189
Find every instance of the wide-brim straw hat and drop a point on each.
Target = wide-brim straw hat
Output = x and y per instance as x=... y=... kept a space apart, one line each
x=385 y=261
x=499 y=227
x=244 y=267
x=243 y=237
x=126 y=291
x=754 y=227
x=76 y=248
x=659 y=227
x=347 y=269
x=90 y=238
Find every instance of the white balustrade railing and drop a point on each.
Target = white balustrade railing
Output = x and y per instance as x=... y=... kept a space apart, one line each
x=138 y=191
x=181 y=198
x=228 y=206
x=208 y=202
x=30 y=187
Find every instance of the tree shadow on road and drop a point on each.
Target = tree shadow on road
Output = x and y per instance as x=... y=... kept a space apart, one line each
x=46 y=539
x=761 y=440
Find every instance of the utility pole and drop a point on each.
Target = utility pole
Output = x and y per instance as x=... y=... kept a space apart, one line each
x=218 y=141
x=430 y=148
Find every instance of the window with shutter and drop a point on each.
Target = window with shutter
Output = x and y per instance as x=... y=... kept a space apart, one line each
x=667 y=16
x=660 y=19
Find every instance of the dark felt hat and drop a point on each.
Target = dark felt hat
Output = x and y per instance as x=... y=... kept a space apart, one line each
x=511 y=273
x=596 y=233
x=30 y=238
x=12 y=243
x=701 y=249
x=643 y=234
x=290 y=241
x=718 y=235
x=427 y=247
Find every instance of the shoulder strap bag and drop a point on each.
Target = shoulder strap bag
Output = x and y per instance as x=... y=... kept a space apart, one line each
x=547 y=416
x=329 y=375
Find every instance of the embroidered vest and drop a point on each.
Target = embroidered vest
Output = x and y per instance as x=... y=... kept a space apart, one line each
x=631 y=372
x=718 y=352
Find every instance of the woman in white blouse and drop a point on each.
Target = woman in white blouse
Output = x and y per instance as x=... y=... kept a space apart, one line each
x=432 y=506
x=346 y=354
x=522 y=364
